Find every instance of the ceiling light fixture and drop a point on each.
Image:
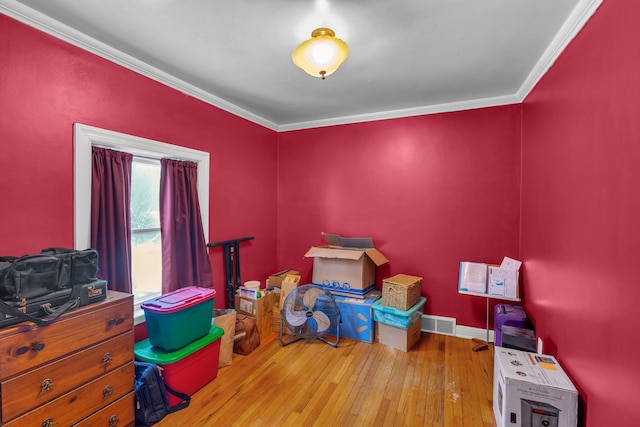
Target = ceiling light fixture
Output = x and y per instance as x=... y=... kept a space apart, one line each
x=322 y=54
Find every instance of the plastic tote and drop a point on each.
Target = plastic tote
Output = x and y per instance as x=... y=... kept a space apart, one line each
x=189 y=369
x=398 y=318
x=179 y=317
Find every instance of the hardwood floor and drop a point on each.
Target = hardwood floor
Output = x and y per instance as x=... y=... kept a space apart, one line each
x=439 y=382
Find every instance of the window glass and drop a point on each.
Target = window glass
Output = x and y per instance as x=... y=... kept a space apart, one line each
x=146 y=250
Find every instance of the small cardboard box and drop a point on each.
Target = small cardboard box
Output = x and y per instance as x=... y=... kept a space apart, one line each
x=290 y=282
x=345 y=268
x=276 y=279
x=254 y=307
x=402 y=339
x=356 y=317
x=265 y=324
x=276 y=322
x=531 y=389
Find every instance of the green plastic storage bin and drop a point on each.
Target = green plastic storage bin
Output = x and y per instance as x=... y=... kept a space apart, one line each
x=180 y=317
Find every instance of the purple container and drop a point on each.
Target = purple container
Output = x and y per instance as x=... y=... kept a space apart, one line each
x=508 y=315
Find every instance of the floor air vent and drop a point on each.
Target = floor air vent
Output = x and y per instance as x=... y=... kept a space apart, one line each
x=438 y=324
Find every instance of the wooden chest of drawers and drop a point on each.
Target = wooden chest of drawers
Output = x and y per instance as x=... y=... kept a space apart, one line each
x=76 y=371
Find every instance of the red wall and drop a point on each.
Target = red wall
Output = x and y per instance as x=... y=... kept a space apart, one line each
x=431 y=190
x=581 y=209
x=47 y=85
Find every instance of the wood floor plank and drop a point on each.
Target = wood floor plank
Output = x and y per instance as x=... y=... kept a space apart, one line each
x=440 y=382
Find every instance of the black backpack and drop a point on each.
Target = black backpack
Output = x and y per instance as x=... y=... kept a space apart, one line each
x=152 y=403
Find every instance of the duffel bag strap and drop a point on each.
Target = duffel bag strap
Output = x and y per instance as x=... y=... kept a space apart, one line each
x=52 y=315
x=186 y=399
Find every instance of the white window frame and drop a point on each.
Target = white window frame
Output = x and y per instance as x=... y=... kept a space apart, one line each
x=85 y=137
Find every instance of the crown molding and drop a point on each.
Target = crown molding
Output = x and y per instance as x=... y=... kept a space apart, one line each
x=571 y=27
x=405 y=112
x=61 y=31
x=576 y=21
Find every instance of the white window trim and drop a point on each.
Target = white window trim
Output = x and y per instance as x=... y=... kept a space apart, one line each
x=85 y=137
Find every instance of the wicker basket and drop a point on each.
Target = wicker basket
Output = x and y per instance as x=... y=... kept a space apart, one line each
x=401 y=291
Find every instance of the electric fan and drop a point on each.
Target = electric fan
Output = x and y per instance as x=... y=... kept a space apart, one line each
x=309 y=312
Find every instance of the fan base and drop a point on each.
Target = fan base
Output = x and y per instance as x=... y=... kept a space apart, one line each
x=333 y=344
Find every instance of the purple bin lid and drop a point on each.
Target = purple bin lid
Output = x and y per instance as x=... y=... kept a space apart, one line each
x=178 y=300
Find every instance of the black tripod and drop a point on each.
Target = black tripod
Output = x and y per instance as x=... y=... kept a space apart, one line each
x=230 y=248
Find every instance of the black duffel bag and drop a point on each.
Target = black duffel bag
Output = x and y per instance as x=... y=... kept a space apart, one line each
x=77 y=267
x=40 y=287
x=44 y=309
x=28 y=277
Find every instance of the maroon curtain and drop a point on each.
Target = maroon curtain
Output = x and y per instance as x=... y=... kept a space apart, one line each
x=111 y=216
x=185 y=261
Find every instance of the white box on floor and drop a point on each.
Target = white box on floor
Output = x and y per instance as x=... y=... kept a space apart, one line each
x=530 y=390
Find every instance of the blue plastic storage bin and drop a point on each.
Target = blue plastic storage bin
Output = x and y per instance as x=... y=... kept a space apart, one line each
x=398 y=318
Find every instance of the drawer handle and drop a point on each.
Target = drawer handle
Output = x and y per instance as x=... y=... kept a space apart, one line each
x=49 y=422
x=113 y=421
x=47 y=385
x=107 y=359
x=114 y=322
x=38 y=346
x=108 y=391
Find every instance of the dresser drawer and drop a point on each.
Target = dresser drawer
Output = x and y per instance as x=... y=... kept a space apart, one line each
x=120 y=413
x=26 y=346
x=76 y=405
x=40 y=385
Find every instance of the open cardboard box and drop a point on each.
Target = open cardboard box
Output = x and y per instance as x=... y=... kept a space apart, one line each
x=276 y=279
x=254 y=307
x=345 y=267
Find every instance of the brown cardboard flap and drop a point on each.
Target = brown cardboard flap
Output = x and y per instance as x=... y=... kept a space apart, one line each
x=327 y=252
x=353 y=254
x=377 y=257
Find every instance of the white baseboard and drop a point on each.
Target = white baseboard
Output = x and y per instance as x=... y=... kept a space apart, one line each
x=447 y=326
x=471 y=332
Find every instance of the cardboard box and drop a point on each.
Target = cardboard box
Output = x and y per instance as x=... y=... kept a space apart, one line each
x=357 y=318
x=289 y=283
x=275 y=320
x=531 y=389
x=400 y=338
x=254 y=307
x=276 y=323
x=345 y=268
x=276 y=279
x=265 y=325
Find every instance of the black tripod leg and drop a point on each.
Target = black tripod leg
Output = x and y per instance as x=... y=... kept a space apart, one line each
x=236 y=249
x=228 y=276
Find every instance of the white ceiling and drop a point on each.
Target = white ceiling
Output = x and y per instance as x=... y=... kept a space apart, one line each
x=407 y=57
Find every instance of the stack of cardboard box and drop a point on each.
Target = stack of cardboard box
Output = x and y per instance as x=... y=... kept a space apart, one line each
x=399 y=311
x=346 y=267
x=285 y=281
x=259 y=308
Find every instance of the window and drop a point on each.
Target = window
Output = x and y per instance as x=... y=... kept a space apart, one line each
x=146 y=249
x=145 y=221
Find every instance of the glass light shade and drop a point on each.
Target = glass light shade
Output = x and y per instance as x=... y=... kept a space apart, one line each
x=322 y=54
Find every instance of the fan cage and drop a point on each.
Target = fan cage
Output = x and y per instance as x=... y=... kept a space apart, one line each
x=309 y=312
